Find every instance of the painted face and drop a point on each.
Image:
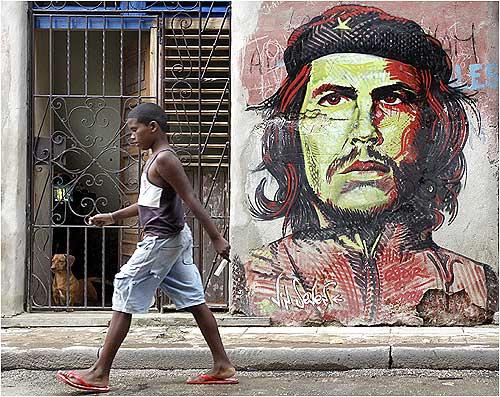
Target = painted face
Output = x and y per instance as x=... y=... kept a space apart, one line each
x=141 y=134
x=360 y=117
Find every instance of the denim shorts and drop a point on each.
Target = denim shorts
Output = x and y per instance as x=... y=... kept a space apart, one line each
x=159 y=263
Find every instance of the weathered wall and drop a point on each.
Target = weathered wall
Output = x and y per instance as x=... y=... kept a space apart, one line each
x=13 y=151
x=338 y=266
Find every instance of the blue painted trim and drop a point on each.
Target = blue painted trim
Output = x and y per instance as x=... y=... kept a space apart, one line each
x=126 y=8
x=136 y=7
x=94 y=22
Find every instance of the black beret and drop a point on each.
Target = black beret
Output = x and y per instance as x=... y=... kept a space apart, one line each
x=366 y=30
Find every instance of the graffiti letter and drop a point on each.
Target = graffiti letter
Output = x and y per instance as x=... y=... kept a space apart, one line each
x=277 y=299
x=475 y=75
x=299 y=302
x=492 y=75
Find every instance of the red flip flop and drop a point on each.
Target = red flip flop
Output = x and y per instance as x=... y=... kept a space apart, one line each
x=205 y=379
x=76 y=381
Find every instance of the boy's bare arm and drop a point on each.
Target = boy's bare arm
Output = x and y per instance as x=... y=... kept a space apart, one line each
x=170 y=169
x=112 y=217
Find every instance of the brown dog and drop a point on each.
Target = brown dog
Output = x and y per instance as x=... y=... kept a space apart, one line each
x=60 y=263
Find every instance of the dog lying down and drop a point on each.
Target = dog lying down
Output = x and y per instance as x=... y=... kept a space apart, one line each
x=76 y=287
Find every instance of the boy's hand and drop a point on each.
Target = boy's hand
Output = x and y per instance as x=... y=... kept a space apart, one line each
x=101 y=219
x=222 y=247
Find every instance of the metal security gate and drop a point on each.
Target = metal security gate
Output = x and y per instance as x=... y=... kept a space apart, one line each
x=91 y=63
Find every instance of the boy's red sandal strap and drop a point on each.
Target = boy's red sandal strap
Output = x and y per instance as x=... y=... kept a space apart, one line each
x=76 y=381
x=205 y=379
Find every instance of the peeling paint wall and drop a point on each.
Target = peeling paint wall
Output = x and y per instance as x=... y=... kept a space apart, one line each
x=343 y=189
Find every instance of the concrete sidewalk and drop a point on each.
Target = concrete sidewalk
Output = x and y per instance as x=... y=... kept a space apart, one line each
x=170 y=341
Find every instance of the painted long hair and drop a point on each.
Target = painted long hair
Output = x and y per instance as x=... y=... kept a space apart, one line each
x=437 y=176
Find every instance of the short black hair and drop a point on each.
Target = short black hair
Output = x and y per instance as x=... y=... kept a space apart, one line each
x=145 y=113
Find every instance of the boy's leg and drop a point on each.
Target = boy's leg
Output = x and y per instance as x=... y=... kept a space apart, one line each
x=134 y=287
x=98 y=374
x=184 y=287
x=222 y=367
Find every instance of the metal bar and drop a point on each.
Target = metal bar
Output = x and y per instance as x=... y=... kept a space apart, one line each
x=94 y=96
x=103 y=268
x=139 y=99
x=104 y=59
x=85 y=265
x=68 y=268
x=62 y=14
x=159 y=101
x=41 y=308
x=81 y=226
x=121 y=56
x=86 y=54
x=139 y=50
x=214 y=118
x=225 y=207
x=208 y=15
x=50 y=165
x=159 y=64
x=96 y=21
x=210 y=273
x=199 y=169
x=212 y=267
x=214 y=179
x=120 y=253
x=215 y=42
x=156 y=6
x=68 y=58
x=195 y=79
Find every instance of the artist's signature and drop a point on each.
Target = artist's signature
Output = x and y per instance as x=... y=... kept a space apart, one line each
x=318 y=295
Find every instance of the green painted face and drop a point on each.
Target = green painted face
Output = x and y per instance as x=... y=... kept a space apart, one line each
x=356 y=104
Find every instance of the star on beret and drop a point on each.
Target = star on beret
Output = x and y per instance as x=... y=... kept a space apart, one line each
x=342 y=25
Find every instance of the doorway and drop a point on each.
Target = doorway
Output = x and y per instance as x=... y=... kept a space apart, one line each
x=88 y=70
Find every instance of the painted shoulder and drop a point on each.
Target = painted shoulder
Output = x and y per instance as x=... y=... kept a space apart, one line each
x=478 y=279
x=454 y=257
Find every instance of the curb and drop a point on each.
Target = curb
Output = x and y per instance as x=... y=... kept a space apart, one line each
x=463 y=357
x=77 y=319
x=280 y=358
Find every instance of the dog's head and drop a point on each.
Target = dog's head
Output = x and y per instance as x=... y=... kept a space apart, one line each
x=61 y=261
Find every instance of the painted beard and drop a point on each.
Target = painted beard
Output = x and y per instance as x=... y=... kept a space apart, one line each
x=406 y=179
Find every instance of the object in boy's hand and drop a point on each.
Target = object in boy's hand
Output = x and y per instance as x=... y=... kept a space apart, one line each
x=223 y=263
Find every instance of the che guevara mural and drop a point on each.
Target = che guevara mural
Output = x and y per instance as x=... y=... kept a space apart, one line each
x=358 y=121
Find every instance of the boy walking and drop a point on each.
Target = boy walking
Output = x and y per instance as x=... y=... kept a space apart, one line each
x=162 y=259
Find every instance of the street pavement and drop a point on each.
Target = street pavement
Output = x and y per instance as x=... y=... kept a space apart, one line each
x=271 y=383
x=51 y=341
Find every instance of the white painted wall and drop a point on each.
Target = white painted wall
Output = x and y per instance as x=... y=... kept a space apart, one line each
x=14 y=95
